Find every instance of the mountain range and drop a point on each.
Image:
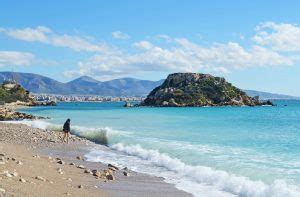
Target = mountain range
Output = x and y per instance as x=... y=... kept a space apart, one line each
x=82 y=86
x=88 y=86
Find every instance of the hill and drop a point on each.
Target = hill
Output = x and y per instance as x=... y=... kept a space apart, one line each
x=35 y=83
x=82 y=86
x=196 y=89
x=88 y=86
x=12 y=92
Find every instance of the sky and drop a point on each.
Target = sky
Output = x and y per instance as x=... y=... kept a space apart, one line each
x=253 y=44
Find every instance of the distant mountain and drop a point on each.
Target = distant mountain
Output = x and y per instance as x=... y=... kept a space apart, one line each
x=86 y=85
x=82 y=86
x=271 y=96
x=36 y=83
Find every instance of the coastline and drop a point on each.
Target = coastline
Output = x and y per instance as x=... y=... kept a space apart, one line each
x=21 y=142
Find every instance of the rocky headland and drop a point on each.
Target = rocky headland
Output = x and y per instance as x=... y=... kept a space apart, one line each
x=13 y=96
x=196 y=90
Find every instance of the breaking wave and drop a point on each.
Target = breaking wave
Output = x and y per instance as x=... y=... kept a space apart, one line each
x=223 y=183
x=98 y=135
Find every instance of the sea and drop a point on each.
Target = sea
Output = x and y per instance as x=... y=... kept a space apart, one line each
x=205 y=151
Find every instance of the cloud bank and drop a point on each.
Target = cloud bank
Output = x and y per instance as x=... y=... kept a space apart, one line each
x=272 y=44
x=45 y=35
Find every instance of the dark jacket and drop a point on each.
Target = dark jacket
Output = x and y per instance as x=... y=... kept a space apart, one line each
x=67 y=126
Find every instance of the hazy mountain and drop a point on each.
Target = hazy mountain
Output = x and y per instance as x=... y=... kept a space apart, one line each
x=35 y=83
x=82 y=85
x=86 y=85
x=267 y=95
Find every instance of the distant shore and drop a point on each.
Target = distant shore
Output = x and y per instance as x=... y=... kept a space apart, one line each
x=35 y=162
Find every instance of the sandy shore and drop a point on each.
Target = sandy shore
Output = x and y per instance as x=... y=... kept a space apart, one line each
x=30 y=166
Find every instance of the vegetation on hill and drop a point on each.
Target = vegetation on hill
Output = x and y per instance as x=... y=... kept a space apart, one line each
x=12 y=92
x=195 y=89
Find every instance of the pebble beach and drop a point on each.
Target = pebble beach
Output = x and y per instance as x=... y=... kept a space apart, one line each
x=35 y=162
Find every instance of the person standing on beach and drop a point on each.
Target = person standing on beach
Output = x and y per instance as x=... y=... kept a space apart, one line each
x=66 y=130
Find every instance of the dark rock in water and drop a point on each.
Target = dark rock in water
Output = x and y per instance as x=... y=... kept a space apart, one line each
x=195 y=89
x=268 y=102
x=45 y=103
x=128 y=104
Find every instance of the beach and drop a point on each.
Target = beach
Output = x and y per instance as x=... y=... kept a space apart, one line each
x=158 y=151
x=34 y=162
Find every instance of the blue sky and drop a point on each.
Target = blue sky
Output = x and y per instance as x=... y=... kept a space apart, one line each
x=253 y=44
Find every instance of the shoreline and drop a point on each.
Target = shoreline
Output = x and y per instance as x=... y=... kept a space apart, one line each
x=19 y=140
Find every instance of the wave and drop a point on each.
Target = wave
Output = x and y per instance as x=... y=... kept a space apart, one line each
x=101 y=135
x=198 y=180
x=208 y=177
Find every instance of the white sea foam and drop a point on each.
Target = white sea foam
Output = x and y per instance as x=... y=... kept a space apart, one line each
x=99 y=135
x=198 y=180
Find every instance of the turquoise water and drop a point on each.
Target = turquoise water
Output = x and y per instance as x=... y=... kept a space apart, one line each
x=208 y=151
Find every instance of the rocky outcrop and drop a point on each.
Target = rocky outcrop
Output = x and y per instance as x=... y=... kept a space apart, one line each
x=196 y=89
x=9 y=114
x=12 y=92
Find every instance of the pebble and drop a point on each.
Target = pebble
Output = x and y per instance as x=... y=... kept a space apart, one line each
x=19 y=162
x=60 y=171
x=22 y=180
x=87 y=171
x=80 y=186
x=78 y=157
x=7 y=174
x=40 y=178
x=110 y=177
x=126 y=173
x=112 y=166
x=61 y=162
x=15 y=174
x=69 y=179
x=72 y=164
x=2 y=160
x=81 y=167
x=97 y=174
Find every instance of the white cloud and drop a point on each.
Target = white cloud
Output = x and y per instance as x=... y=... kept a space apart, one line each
x=77 y=44
x=29 y=34
x=271 y=41
x=47 y=36
x=278 y=36
x=15 y=58
x=164 y=37
x=145 y=45
x=120 y=35
x=183 y=56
